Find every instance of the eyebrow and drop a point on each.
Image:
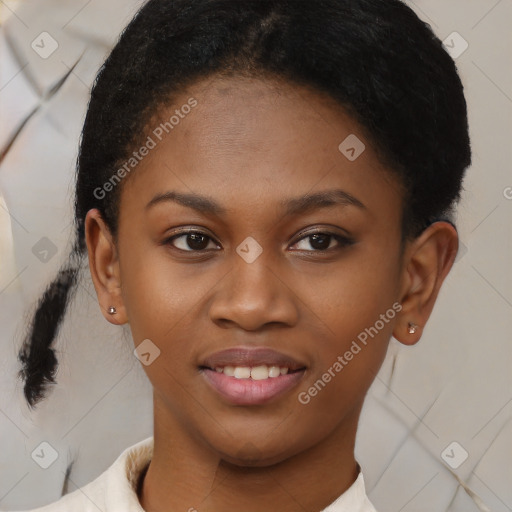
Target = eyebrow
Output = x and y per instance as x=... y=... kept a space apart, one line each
x=293 y=206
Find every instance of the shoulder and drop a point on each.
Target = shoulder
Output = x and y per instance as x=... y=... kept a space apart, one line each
x=113 y=490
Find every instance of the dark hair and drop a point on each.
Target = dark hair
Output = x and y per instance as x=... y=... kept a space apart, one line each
x=376 y=58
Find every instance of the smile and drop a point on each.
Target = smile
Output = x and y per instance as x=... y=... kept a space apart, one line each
x=243 y=376
x=245 y=389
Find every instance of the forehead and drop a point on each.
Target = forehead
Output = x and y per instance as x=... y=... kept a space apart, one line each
x=249 y=142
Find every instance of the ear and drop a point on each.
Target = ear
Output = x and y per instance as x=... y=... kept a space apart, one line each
x=427 y=262
x=104 y=267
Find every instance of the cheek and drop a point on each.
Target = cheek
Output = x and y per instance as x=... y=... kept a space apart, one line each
x=351 y=296
x=156 y=296
x=165 y=303
x=161 y=304
x=355 y=309
x=357 y=322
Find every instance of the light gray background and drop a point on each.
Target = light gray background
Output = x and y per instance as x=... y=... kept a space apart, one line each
x=454 y=386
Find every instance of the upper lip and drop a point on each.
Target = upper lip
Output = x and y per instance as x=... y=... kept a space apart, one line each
x=243 y=356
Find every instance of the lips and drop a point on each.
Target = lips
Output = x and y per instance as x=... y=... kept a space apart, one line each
x=244 y=376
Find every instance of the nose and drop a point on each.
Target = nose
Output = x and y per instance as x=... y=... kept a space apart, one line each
x=253 y=296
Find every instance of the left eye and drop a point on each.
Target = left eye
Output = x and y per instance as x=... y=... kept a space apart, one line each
x=322 y=241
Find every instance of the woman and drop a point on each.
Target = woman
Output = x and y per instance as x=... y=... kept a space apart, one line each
x=264 y=192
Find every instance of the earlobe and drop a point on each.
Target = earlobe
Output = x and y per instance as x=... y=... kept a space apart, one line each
x=412 y=328
x=104 y=267
x=407 y=332
x=427 y=262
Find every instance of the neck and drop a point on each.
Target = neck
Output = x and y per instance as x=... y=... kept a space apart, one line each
x=186 y=474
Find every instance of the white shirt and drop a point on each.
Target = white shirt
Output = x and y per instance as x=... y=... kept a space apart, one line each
x=116 y=489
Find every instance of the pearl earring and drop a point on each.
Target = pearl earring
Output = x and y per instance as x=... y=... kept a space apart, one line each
x=412 y=328
x=112 y=310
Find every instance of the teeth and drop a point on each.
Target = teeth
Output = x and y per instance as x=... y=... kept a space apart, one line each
x=229 y=371
x=242 y=372
x=274 y=371
x=261 y=372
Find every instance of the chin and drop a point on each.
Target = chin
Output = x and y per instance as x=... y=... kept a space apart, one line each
x=250 y=455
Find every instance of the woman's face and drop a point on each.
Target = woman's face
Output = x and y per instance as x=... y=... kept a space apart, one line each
x=295 y=248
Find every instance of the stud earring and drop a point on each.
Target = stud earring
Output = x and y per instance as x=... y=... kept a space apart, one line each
x=412 y=328
x=112 y=310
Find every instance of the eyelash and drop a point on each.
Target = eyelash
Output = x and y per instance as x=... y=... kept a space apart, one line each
x=343 y=241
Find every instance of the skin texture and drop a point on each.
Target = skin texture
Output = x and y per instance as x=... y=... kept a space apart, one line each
x=249 y=145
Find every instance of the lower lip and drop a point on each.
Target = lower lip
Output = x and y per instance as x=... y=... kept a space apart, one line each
x=249 y=391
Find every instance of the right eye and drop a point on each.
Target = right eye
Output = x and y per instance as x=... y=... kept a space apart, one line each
x=191 y=241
